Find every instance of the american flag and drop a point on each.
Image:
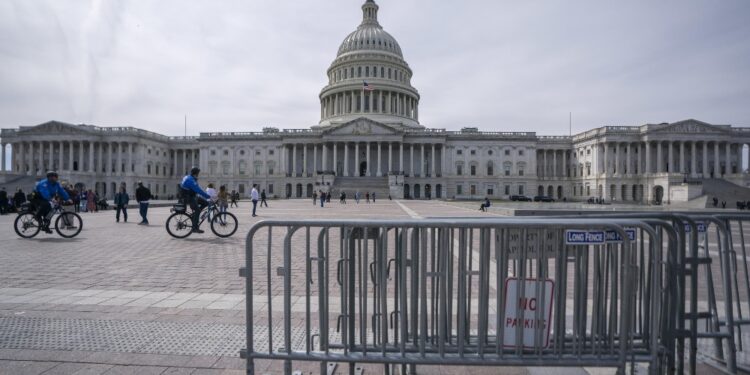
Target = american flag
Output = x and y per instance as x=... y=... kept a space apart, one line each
x=368 y=87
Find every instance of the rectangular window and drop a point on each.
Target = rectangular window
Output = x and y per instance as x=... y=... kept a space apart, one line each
x=507 y=171
x=459 y=189
x=473 y=152
x=270 y=170
x=473 y=190
x=507 y=189
x=520 y=172
x=473 y=170
x=270 y=188
x=507 y=152
x=520 y=190
x=270 y=152
x=490 y=190
x=459 y=152
x=460 y=170
x=520 y=152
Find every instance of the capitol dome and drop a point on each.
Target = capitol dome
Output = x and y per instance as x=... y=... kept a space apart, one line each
x=370 y=78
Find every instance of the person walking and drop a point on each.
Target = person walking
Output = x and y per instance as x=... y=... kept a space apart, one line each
x=367 y=197
x=373 y=197
x=90 y=201
x=223 y=199
x=254 y=198
x=315 y=198
x=356 y=197
x=233 y=198
x=121 y=204
x=322 y=199
x=142 y=196
x=263 y=198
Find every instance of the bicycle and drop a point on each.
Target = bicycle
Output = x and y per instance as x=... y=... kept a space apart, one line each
x=67 y=225
x=180 y=223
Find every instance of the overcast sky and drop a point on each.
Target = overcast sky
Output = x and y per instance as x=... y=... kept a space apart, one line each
x=240 y=65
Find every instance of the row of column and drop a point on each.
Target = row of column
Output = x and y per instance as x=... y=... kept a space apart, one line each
x=36 y=158
x=378 y=101
x=366 y=152
x=553 y=163
x=716 y=158
x=183 y=160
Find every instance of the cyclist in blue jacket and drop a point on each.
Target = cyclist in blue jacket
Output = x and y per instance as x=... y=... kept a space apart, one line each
x=190 y=192
x=46 y=190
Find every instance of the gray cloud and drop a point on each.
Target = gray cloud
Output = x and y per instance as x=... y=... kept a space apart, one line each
x=238 y=65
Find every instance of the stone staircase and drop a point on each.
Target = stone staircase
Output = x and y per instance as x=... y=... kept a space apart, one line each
x=350 y=185
x=13 y=181
x=724 y=191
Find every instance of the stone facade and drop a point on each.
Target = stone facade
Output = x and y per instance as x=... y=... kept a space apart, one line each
x=369 y=138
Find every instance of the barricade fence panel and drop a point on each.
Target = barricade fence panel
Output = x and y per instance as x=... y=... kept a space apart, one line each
x=543 y=292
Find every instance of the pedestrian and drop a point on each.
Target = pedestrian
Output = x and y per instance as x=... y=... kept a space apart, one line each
x=373 y=197
x=356 y=197
x=19 y=198
x=223 y=199
x=263 y=198
x=76 y=200
x=367 y=197
x=254 y=198
x=121 y=204
x=322 y=199
x=83 y=198
x=212 y=193
x=90 y=201
x=143 y=196
x=234 y=196
x=389 y=197
x=315 y=198
x=3 y=201
x=328 y=197
x=723 y=204
x=485 y=205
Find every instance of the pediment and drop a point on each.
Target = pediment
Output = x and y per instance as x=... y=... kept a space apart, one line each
x=689 y=126
x=362 y=126
x=52 y=127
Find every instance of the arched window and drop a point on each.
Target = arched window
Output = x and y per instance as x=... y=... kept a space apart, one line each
x=389 y=73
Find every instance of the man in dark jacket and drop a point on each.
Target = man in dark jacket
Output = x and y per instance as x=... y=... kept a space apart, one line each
x=3 y=201
x=142 y=196
x=121 y=203
x=19 y=198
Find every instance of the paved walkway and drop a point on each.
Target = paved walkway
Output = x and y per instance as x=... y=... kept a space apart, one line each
x=129 y=299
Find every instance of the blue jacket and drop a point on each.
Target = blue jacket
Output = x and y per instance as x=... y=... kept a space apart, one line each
x=48 y=190
x=121 y=199
x=189 y=183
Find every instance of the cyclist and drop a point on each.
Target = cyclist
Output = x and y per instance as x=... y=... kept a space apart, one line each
x=45 y=191
x=190 y=192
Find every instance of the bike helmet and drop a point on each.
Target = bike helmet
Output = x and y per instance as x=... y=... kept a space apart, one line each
x=195 y=171
x=51 y=174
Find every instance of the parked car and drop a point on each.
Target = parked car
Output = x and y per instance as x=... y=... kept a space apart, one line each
x=520 y=198
x=543 y=198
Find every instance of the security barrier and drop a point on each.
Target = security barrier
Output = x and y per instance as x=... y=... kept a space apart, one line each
x=490 y=292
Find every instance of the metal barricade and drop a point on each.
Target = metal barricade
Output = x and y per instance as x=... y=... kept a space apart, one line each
x=489 y=292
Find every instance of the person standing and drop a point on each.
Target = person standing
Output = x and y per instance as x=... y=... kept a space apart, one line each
x=142 y=196
x=263 y=198
x=356 y=197
x=121 y=204
x=315 y=198
x=254 y=198
x=223 y=199
x=3 y=201
x=322 y=199
x=90 y=201
x=19 y=198
x=373 y=197
x=367 y=197
x=233 y=196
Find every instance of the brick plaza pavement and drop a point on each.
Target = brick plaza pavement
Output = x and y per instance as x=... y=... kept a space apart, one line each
x=128 y=299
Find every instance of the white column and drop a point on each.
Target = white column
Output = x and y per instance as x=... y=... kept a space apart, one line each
x=693 y=162
x=356 y=159
x=390 y=158
x=294 y=160
x=315 y=159
x=648 y=157
x=411 y=160
x=346 y=159
x=80 y=157
x=110 y=152
x=325 y=157
x=422 y=169
x=659 y=158
x=380 y=173
x=335 y=158
x=433 y=160
x=60 y=156
x=304 y=160
x=554 y=164
x=401 y=157
x=3 y=157
x=21 y=155
x=51 y=158
x=91 y=157
x=727 y=158
x=670 y=158
x=564 y=162
x=682 y=157
x=129 y=168
x=705 y=159
x=367 y=170
x=617 y=168
x=606 y=158
x=70 y=156
x=717 y=166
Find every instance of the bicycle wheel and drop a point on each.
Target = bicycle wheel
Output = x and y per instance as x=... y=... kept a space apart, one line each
x=68 y=224
x=179 y=225
x=224 y=224
x=26 y=225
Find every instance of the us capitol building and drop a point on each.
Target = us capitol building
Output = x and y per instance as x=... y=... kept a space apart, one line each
x=370 y=139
